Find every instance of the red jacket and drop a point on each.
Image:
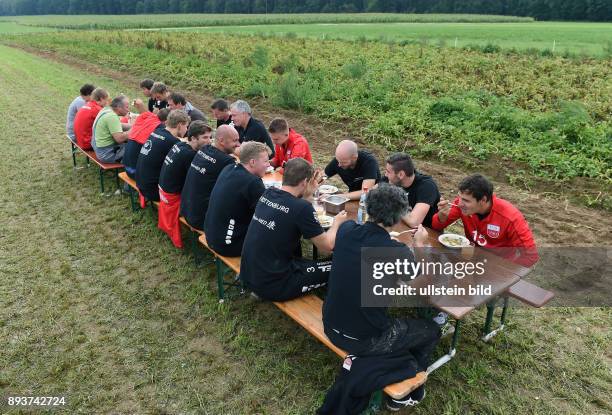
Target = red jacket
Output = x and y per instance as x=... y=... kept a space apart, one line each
x=296 y=146
x=83 y=123
x=143 y=126
x=503 y=227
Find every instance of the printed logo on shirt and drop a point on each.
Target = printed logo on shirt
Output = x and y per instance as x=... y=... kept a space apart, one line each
x=493 y=230
x=146 y=148
x=356 y=179
x=230 y=232
x=201 y=170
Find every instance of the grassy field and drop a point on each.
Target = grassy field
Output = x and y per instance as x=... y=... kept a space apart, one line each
x=590 y=39
x=96 y=304
x=542 y=118
x=183 y=20
x=9 y=27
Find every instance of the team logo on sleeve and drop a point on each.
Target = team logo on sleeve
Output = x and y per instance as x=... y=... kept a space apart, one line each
x=493 y=230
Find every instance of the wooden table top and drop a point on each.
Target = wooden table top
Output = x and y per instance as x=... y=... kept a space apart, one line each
x=499 y=273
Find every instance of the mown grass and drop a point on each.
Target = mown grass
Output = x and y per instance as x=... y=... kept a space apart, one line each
x=97 y=305
x=588 y=39
x=186 y=20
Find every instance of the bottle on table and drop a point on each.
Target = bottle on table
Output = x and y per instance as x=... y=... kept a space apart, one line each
x=362 y=214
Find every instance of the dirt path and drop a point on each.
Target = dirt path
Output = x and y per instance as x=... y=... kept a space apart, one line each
x=554 y=220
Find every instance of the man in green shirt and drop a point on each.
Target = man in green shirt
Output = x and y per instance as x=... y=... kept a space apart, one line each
x=109 y=134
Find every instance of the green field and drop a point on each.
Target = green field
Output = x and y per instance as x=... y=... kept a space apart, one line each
x=183 y=20
x=97 y=305
x=9 y=27
x=592 y=39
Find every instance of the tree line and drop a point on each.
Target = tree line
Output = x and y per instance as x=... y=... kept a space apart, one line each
x=589 y=10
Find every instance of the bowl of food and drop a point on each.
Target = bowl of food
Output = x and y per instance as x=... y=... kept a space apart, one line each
x=325 y=221
x=334 y=204
x=327 y=189
x=452 y=240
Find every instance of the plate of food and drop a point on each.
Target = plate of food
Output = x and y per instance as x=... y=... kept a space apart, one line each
x=327 y=189
x=270 y=169
x=452 y=240
x=325 y=221
x=267 y=185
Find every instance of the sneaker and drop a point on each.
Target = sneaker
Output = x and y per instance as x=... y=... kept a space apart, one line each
x=441 y=319
x=413 y=399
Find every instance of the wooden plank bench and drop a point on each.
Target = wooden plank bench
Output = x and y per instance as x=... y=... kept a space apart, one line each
x=523 y=291
x=102 y=167
x=133 y=191
x=222 y=264
x=307 y=311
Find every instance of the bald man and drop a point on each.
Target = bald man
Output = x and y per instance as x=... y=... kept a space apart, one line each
x=358 y=169
x=203 y=173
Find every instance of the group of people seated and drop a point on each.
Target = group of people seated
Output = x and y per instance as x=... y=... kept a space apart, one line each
x=216 y=185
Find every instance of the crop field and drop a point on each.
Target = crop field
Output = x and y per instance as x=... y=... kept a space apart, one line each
x=542 y=118
x=186 y=20
x=587 y=39
x=96 y=304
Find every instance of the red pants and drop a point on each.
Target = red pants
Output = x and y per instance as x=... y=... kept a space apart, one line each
x=168 y=216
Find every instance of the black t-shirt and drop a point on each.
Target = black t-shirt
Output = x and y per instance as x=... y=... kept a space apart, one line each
x=255 y=131
x=422 y=190
x=175 y=167
x=230 y=210
x=201 y=178
x=154 y=103
x=279 y=222
x=197 y=115
x=342 y=310
x=226 y=122
x=365 y=168
x=150 y=161
x=130 y=157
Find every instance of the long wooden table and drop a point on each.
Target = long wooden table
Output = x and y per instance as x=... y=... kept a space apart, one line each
x=500 y=274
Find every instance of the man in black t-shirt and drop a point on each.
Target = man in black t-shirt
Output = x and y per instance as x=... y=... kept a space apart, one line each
x=178 y=160
x=154 y=104
x=358 y=169
x=154 y=150
x=203 y=173
x=138 y=136
x=221 y=112
x=233 y=199
x=248 y=127
x=178 y=101
x=422 y=190
x=271 y=264
x=172 y=178
x=370 y=331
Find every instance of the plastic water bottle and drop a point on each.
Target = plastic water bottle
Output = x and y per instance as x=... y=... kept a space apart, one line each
x=362 y=214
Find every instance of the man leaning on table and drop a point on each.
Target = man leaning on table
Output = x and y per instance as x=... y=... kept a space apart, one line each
x=272 y=265
x=489 y=221
x=358 y=169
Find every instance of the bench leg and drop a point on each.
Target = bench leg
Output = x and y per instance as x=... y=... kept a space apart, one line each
x=133 y=201
x=451 y=352
x=73 y=150
x=101 y=179
x=376 y=403
x=117 y=180
x=488 y=334
x=220 y=285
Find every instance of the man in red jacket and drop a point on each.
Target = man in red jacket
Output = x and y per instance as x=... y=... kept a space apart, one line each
x=84 y=119
x=489 y=221
x=288 y=144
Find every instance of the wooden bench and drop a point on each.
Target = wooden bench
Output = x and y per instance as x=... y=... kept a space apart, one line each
x=307 y=311
x=133 y=191
x=102 y=167
x=530 y=294
x=222 y=265
x=523 y=291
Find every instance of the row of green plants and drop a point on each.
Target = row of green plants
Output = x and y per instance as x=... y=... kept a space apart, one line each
x=155 y=21
x=536 y=116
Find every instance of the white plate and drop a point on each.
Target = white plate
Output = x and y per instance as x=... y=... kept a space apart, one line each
x=327 y=189
x=452 y=240
x=272 y=184
x=270 y=169
x=326 y=221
